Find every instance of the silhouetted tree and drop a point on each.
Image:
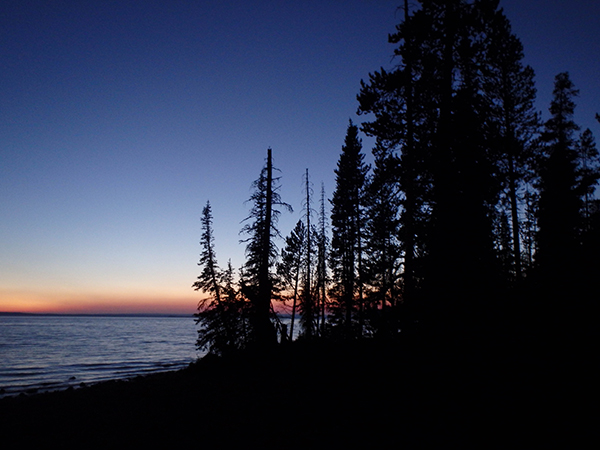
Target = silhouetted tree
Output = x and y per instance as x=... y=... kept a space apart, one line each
x=504 y=244
x=458 y=111
x=347 y=228
x=261 y=254
x=308 y=309
x=322 y=249
x=565 y=268
x=382 y=246
x=290 y=265
x=588 y=174
x=404 y=115
x=560 y=202
x=220 y=315
x=208 y=280
x=510 y=88
x=588 y=171
x=529 y=229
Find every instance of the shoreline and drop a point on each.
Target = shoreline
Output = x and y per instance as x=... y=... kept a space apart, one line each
x=297 y=398
x=74 y=383
x=300 y=396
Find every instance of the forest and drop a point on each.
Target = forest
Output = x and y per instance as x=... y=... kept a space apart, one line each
x=477 y=222
x=442 y=296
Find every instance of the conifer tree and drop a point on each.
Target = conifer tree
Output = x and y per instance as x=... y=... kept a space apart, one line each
x=529 y=228
x=259 y=281
x=220 y=315
x=290 y=265
x=208 y=280
x=347 y=228
x=322 y=249
x=405 y=114
x=504 y=244
x=567 y=252
x=511 y=91
x=588 y=171
x=308 y=309
x=560 y=202
x=458 y=91
x=382 y=246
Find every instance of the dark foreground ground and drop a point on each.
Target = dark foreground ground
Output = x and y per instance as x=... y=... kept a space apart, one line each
x=369 y=395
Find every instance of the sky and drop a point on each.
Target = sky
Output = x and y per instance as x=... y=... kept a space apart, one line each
x=120 y=119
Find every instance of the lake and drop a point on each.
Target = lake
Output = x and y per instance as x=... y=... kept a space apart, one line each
x=49 y=352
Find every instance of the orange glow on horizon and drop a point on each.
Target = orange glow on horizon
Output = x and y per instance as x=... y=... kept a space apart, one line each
x=117 y=303
x=55 y=303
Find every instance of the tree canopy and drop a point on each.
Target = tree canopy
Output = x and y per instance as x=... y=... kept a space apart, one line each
x=471 y=200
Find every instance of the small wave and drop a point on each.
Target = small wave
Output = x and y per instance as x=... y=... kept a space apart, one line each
x=105 y=348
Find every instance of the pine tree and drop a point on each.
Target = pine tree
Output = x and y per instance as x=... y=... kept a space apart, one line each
x=405 y=117
x=529 y=228
x=290 y=265
x=510 y=89
x=259 y=282
x=208 y=280
x=588 y=171
x=322 y=249
x=504 y=244
x=308 y=309
x=382 y=246
x=347 y=228
x=560 y=203
x=567 y=253
x=221 y=314
x=458 y=91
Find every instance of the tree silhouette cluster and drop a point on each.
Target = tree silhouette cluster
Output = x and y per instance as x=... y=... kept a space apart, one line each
x=474 y=213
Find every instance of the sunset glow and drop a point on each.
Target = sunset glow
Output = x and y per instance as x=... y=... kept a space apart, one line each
x=120 y=120
x=31 y=302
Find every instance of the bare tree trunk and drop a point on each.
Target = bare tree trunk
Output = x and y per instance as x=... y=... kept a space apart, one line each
x=322 y=261
x=409 y=184
x=265 y=334
x=294 y=303
x=515 y=218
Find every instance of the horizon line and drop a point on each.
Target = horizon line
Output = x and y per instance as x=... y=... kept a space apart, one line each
x=142 y=314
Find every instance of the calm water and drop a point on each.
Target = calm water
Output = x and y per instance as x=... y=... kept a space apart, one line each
x=55 y=352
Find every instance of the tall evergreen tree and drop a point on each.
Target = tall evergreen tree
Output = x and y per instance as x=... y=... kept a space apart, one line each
x=347 y=228
x=529 y=228
x=261 y=253
x=290 y=266
x=510 y=90
x=464 y=187
x=212 y=324
x=567 y=252
x=588 y=171
x=208 y=280
x=322 y=249
x=459 y=90
x=588 y=174
x=221 y=315
x=382 y=246
x=308 y=308
x=560 y=202
x=405 y=107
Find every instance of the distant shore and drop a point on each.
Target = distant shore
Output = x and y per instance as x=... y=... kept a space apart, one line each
x=8 y=313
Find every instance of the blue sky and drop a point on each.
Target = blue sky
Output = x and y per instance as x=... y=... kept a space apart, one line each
x=120 y=119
